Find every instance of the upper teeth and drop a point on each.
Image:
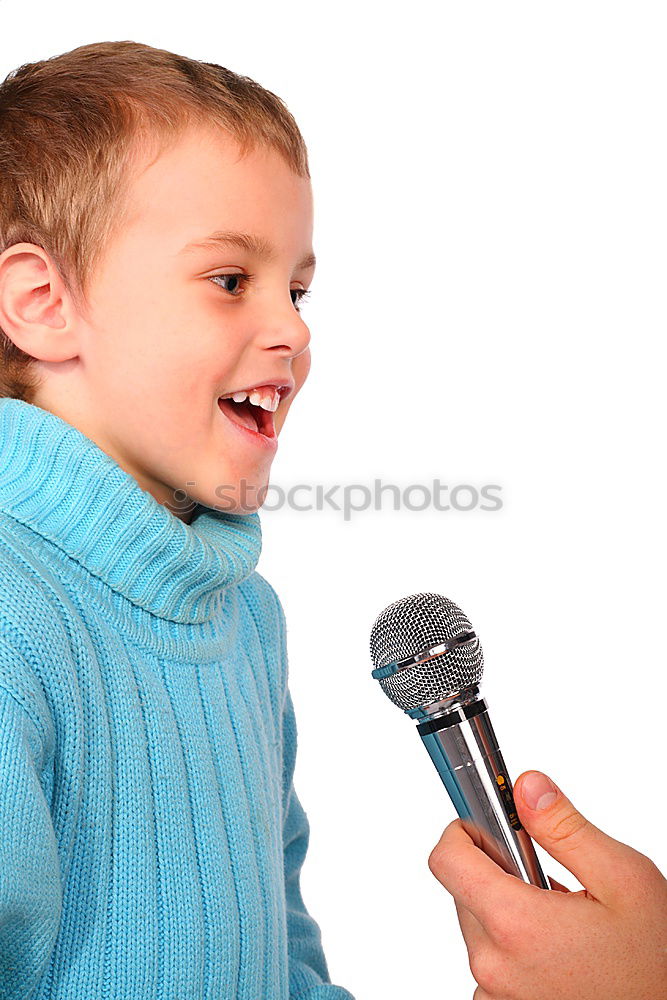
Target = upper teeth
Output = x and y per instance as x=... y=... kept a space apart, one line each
x=268 y=401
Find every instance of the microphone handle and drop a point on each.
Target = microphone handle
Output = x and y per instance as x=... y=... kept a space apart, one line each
x=465 y=751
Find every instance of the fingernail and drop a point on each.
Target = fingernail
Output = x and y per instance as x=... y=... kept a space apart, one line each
x=538 y=791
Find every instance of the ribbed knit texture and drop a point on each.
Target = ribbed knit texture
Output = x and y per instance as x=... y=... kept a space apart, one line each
x=151 y=840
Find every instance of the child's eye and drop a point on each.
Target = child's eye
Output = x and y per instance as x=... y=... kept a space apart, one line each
x=301 y=294
x=236 y=281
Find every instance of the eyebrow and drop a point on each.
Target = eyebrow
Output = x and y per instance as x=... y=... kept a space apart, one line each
x=255 y=245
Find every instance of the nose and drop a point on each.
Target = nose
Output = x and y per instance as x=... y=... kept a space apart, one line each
x=287 y=334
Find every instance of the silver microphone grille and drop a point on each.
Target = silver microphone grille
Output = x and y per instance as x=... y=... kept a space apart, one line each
x=412 y=625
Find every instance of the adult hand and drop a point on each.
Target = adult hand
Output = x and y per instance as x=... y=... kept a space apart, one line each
x=606 y=942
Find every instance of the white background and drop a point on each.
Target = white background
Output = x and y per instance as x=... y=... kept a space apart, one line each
x=488 y=308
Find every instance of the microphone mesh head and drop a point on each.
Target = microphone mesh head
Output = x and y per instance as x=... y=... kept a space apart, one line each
x=416 y=623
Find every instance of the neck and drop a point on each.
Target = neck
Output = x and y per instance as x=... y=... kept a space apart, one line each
x=60 y=484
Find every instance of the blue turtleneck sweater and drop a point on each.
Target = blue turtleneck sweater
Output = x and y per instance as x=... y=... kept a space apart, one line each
x=150 y=836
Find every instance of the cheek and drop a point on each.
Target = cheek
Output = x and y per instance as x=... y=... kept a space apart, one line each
x=188 y=370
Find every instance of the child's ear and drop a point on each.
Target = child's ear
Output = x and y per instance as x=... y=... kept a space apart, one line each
x=35 y=310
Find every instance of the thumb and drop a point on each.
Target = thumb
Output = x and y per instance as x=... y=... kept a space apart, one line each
x=549 y=817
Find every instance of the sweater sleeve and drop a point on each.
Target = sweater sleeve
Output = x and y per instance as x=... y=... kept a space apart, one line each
x=30 y=880
x=308 y=972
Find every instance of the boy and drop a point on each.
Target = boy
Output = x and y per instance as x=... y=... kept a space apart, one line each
x=152 y=839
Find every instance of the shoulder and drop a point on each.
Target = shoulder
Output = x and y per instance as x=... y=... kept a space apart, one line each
x=33 y=640
x=32 y=602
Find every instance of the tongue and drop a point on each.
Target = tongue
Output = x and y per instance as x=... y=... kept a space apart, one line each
x=240 y=413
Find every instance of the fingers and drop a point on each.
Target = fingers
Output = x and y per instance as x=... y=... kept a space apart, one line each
x=472 y=878
x=598 y=861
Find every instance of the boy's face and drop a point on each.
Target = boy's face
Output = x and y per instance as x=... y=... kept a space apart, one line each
x=165 y=341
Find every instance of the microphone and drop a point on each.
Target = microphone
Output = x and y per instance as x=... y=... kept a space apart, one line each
x=429 y=662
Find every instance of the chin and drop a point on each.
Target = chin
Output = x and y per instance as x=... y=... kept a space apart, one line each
x=236 y=500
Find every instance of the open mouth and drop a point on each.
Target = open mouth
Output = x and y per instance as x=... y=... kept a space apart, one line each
x=247 y=415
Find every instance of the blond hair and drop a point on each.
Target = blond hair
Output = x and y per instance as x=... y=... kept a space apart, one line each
x=72 y=129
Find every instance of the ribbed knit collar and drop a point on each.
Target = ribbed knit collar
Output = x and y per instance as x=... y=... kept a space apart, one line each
x=59 y=483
